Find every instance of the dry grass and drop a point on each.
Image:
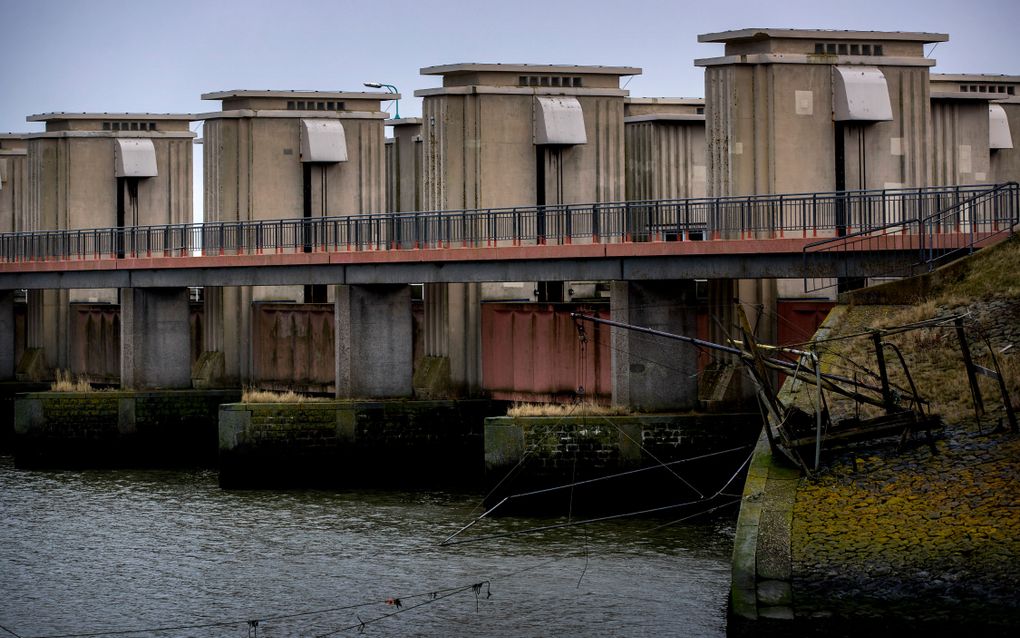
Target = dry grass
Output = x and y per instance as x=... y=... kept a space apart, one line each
x=993 y=273
x=933 y=358
x=67 y=383
x=566 y=409
x=252 y=395
x=933 y=354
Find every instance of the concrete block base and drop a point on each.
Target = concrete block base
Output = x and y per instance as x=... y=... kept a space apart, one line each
x=155 y=338
x=374 y=341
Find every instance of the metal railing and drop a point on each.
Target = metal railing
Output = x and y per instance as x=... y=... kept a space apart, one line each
x=955 y=222
x=846 y=214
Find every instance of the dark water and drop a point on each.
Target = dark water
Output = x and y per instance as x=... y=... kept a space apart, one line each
x=84 y=552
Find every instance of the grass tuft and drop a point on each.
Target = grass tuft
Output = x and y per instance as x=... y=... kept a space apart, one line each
x=566 y=409
x=67 y=383
x=253 y=395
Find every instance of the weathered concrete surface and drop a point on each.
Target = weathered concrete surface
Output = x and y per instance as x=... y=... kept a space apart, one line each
x=8 y=391
x=703 y=451
x=7 y=333
x=374 y=342
x=155 y=338
x=641 y=376
x=371 y=444
x=117 y=428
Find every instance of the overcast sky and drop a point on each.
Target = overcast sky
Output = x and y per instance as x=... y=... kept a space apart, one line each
x=160 y=56
x=103 y=55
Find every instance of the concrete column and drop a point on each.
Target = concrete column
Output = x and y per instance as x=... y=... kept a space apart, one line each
x=155 y=341
x=759 y=298
x=228 y=330
x=7 y=331
x=453 y=330
x=654 y=373
x=374 y=341
x=464 y=330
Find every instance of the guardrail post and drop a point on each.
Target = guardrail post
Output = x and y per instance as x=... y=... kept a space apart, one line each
x=780 y=217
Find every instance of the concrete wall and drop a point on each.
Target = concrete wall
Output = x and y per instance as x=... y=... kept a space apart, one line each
x=479 y=153
x=13 y=182
x=253 y=170
x=117 y=428
x=155 y=338
x=654 y=373
x=413 y=444
x=1004 y=90
x=960 y=153
x=547 y=451
x=769 y=130
x=7 y=335
x=665 y=148
x=374 y=341
x=665 y=160
x=404 y=166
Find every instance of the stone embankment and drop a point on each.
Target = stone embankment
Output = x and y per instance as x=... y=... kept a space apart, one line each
x=882 y=538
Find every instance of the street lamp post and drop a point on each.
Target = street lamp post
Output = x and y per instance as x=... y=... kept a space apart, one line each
x=390 y=88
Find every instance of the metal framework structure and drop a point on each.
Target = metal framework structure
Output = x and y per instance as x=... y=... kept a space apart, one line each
x=844 y=221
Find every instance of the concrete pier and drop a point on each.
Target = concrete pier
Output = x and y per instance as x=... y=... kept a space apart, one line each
x=641 y=378
x=524 y=454
x=117 y=428
x=372 y=444
x=155 y=338
x=374 y=341
x=7 y=332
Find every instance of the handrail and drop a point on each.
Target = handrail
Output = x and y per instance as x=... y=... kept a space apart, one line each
x=934 y=242
x=692 y=219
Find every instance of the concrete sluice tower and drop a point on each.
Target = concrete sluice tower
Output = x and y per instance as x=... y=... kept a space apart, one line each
x=505 y=135
x=804 y=110
x=98 y=170
x=975 y=118
x=285 y=155
x=665 y=148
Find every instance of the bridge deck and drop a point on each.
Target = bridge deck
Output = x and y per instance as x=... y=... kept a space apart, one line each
x=814 y=235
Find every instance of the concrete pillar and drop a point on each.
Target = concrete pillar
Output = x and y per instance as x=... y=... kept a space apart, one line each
x=654 y=373
x=374 y=341
x=758 y=298
x=47 y=327
x=453 y=331
x=7 y=345
x=155 y=341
